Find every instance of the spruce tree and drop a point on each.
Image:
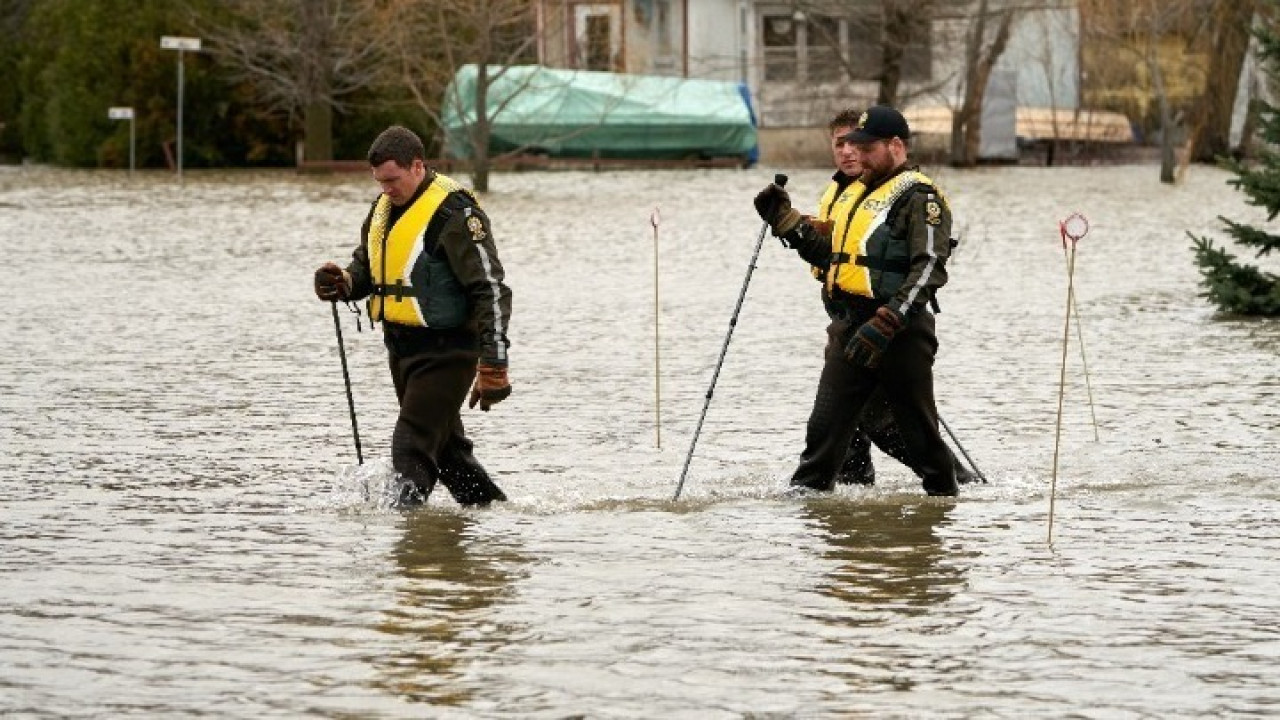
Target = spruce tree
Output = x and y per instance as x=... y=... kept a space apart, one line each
x=1232 y=286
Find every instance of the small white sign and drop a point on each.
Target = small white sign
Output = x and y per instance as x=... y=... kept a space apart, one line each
x=120 y=113
x=169 y=42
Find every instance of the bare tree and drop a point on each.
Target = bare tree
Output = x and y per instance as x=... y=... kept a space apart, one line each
x=430 y=41
x=304 y=58
x=983 y=48
x=885 y=30
x=1229 y=43
x=1053 y=67
x=1156 y=34
x=903 y=23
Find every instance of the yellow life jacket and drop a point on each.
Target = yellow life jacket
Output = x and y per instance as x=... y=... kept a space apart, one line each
x=832 y=195
x=858 y=217
x=411 y=287
x=828 y=198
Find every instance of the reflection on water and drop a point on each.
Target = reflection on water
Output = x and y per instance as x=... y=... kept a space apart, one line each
x=173 y=419
x=444 y=617
x=891 y=559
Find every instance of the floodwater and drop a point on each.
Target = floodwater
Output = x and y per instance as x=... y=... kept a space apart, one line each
x=185 y=530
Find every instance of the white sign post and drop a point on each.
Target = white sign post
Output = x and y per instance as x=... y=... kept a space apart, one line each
x=181 y=44
x=125 y=113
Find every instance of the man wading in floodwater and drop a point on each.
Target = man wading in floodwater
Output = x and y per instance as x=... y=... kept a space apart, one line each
x=882 y=261
x=428 y=263
x=876 y=422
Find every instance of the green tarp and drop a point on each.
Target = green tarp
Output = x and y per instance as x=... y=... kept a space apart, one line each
x=578 y=113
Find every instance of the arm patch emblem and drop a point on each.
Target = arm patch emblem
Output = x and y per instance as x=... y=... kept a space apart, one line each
x=476 y=226
x=933 y=212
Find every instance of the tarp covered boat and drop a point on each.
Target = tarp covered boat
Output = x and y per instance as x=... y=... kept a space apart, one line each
x=581 y=113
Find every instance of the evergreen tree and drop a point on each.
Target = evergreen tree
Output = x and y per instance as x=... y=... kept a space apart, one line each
x=1232 y=286
x=79 y=57
x=13 y=13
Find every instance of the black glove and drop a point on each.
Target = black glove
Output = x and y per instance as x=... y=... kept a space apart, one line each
x=774 y=206
x=871 y=340
x=331 y=283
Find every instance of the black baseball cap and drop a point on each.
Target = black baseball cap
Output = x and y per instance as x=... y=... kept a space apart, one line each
x=879 y=122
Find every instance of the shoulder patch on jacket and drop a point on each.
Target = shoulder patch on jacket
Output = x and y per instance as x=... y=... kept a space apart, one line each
x=932 y=211
x=476 y=227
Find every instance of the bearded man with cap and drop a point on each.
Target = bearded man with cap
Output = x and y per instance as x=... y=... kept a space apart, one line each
x=876 y=423
x=883 y=256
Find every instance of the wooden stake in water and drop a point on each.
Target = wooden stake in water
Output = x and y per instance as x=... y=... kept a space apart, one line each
x=1073 y=228
x=1084 y=360
x=655 y=219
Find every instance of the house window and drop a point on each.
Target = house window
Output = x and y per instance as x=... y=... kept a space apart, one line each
x=801 y=47
x=823 y=48
x=597 y=37
x=808 y=47
x=597 y=54
x=781 y=48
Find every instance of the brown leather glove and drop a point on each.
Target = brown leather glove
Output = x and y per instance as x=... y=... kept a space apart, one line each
x=773 y=204
x=491 y=388
x=332 y=283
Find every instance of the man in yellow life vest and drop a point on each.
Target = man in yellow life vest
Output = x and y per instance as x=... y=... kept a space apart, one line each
x=882 y=256
x=876 y=424
x=429 y=266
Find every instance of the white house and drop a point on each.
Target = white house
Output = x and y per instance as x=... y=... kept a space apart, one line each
x=805 y=60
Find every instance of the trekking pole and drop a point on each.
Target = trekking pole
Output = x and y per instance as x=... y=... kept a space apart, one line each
x=963 y=452
x=1073 y=228
x=780 y=180
x=346 y=378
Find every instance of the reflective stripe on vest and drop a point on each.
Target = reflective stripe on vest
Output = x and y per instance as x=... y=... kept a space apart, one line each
x=856 y=219
x=404 y=247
